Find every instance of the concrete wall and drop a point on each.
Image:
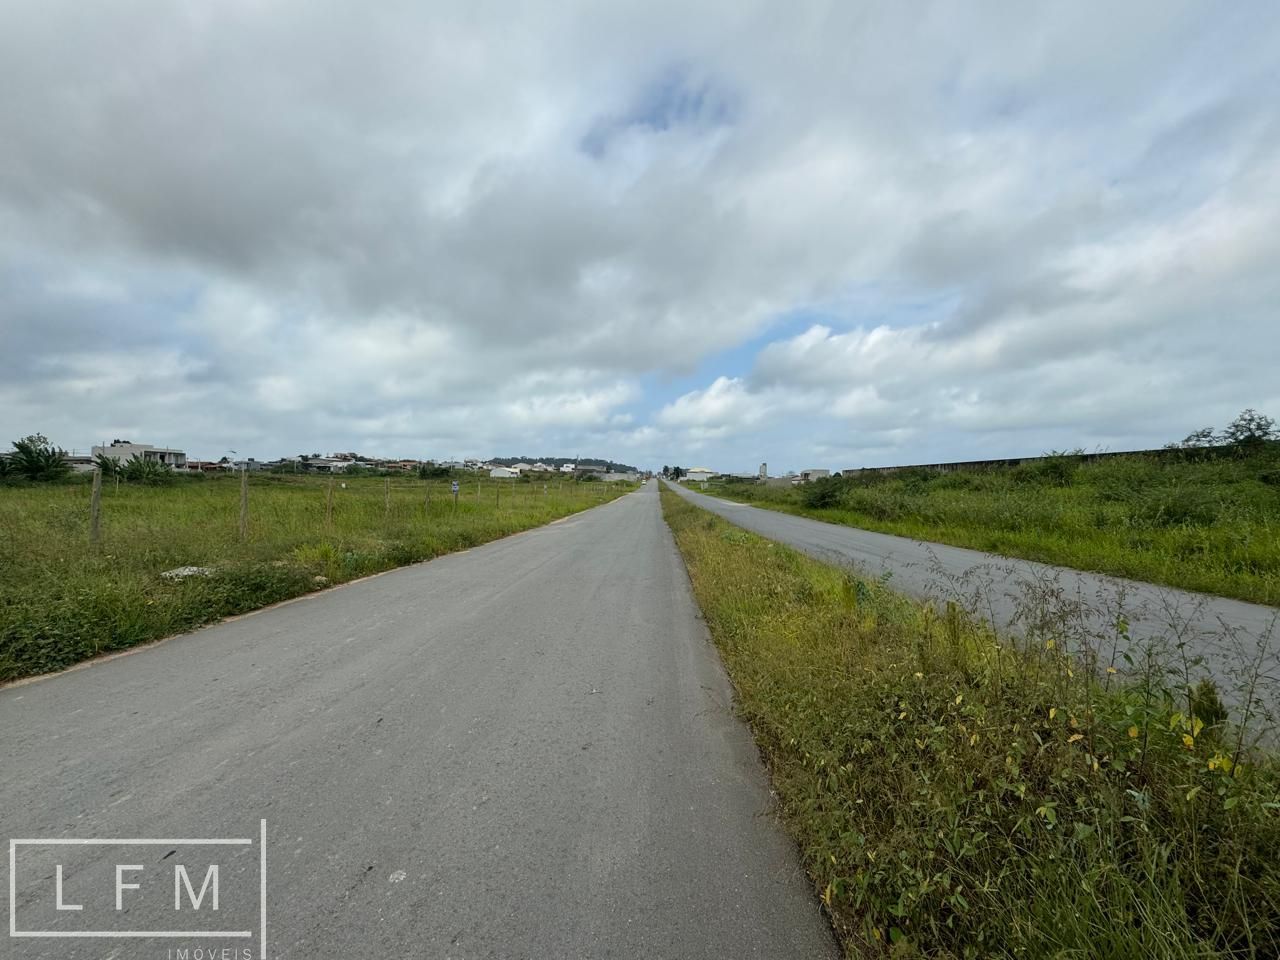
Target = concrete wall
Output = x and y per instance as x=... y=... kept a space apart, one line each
x=1012 y=461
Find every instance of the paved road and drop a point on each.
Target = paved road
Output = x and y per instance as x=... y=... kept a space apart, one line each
x=1223 y=632
x=522 y=751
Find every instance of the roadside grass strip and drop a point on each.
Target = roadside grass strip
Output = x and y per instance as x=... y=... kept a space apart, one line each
x=958 y=796
x=170 y=557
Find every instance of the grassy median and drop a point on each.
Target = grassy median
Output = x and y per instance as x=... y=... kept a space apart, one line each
x=63 y=600
x=1196 y=520
x=957 y=797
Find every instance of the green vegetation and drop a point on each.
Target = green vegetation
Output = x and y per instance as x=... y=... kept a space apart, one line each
x=34 y=460
x=953 y=796
x=62 y=601
x=1205 y=520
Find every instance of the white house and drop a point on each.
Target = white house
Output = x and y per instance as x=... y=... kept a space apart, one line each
x=503 y=473
x=122 y=451
x=699 y=474
x=807 y=476
x=522 y=467
x=568 y=467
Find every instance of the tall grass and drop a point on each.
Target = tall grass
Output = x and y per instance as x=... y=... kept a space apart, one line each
x=956 y=796
x=62 y=601
x=1211 y=525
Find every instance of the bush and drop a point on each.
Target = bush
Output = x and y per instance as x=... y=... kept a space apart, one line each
x=822 y=493
x=1053 y=471
x=1175 y=507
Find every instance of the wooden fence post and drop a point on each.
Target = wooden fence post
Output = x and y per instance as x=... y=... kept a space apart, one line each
x=244 y=505
x=328 y=505
x=386 y=499
x=95 y=508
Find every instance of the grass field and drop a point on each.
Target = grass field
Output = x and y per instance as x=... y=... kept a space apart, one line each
x=1211 y=525
x=956 y=797
x=62 y=601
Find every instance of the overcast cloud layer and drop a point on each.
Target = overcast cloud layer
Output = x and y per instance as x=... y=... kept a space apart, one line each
x=818 y=234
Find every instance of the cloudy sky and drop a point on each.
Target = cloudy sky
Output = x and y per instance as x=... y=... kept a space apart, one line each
x=713 y=233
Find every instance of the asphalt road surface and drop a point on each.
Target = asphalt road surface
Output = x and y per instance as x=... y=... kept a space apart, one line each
x=1227 y=635
x=526 y=750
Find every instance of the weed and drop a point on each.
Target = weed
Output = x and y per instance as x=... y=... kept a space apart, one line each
x=957 y=795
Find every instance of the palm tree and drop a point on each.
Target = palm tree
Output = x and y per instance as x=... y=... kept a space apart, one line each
x=140 y=470
x=109 y=466
x=35 y=458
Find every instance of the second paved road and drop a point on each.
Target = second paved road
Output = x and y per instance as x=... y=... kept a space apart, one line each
x=1227 y=635
x=523 y=751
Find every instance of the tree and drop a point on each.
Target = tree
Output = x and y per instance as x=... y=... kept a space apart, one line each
x=1204 y=437
x=677 y=473
x=666 y=471
x=35 y=458
x=1250 y=429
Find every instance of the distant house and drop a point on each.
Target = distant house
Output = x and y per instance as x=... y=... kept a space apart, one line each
x=568 y=467
x=122 y=451
x=807 y=476
x=541 y=467
x=327 y=465
x=699 y=474
x=522 y=467
x=503 y=473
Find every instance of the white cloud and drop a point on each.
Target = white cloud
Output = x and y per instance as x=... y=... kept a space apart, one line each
x=400 y=228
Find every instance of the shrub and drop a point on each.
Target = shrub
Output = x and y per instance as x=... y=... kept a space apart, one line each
x=1176 y=506
x=1052 y=471
x=822 y=493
